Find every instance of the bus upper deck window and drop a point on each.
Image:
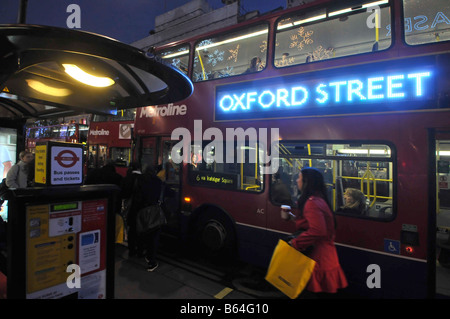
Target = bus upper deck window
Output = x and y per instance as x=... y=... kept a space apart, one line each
x=331 y=32
x=178 y=57
x=234 y=53
x=426 y=21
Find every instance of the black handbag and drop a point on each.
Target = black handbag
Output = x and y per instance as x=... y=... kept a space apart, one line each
x=151 y=217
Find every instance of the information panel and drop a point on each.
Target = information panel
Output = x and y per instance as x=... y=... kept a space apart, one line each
x=66 y=250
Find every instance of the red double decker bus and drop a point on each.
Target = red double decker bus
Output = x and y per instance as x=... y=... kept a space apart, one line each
x=357 y=89
x=110 y=139
x=71 y=133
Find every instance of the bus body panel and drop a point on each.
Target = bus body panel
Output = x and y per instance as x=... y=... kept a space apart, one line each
x=399 y=244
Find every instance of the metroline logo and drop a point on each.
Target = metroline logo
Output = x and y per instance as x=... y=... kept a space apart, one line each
x=100 y=132
x=169 y=110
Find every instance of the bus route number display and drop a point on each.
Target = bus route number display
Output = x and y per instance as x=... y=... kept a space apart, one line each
x=217 y=180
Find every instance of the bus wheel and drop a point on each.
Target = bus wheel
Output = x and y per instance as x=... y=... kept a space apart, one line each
x=215 y=234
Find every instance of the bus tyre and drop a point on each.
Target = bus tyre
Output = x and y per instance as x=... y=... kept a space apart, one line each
x=215 y=234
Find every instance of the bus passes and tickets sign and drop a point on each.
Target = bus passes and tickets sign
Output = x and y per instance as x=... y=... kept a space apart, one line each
x=358 y=90
x=59 y=163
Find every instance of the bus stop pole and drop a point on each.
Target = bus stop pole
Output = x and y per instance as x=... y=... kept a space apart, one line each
x=22 y=15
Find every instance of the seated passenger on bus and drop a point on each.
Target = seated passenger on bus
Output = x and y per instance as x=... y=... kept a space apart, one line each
x=280 y=191
x=255 y=65
x=194 y=162
x=354 y=202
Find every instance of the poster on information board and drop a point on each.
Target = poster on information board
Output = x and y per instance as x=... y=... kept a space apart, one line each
x=66 y=250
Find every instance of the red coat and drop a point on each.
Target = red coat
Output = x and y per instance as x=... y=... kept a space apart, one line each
x=318 y=221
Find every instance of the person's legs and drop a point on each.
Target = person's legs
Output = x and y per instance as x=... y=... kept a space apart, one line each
x=152 y=241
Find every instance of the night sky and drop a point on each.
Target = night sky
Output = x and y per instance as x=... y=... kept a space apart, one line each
x=123 y=20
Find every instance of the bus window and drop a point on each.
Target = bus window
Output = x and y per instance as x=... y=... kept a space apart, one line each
x=178 y=57
x=366 y=167
x=120 y=156
x=83 y=131
x=171 y=170
x=330 y=33
x=148 y=153
x=93 y=156
x=212 y=168
x=235 y=53
x=426 y=21
x=102 y=155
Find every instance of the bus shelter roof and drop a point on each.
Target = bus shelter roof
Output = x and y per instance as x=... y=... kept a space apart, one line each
x=35 y=81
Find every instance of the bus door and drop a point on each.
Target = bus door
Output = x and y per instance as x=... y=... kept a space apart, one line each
x=443 y=213
x=169 y=172
x=156 y=151
x=97 y=157
x=149 y=149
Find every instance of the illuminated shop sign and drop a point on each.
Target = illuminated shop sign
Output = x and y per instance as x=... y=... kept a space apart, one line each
x=299 y=95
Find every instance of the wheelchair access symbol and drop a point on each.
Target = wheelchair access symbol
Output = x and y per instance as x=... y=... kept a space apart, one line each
x=392 y=246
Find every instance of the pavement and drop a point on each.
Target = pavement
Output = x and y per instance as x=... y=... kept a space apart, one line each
x=168 y=281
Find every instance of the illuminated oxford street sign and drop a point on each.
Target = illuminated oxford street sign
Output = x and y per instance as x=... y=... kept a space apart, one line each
x=319 y=94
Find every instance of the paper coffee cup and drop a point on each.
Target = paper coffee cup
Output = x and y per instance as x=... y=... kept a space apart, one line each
x=285 y=210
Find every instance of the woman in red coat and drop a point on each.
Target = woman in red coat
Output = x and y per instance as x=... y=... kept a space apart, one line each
x=316 y=217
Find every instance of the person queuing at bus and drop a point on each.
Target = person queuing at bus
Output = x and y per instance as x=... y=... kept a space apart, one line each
x=104 y=175
x=148 y=193
x=316 y=217
x=354 y=202
x=17 y=176
x=129 y=186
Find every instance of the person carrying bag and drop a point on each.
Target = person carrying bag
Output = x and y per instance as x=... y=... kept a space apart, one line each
x=150 y=215
x=317 y=228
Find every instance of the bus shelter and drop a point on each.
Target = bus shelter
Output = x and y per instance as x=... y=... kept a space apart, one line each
x=61 y=234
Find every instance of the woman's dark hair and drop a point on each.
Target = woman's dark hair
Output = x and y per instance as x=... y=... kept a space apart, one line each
x=313 y=184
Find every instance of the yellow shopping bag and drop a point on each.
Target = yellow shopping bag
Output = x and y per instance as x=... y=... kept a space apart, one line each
x=119 y=229
x=289 y=270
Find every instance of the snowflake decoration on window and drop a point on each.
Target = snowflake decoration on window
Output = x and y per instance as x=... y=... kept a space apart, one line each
x=215 y=57
x=263 y=46
x=301 y=39
x=228 y=71
x=285 y=61
x=320 y=54
x=234 y=54
x=200 y=76
x=176 y=63
x=204 y=43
